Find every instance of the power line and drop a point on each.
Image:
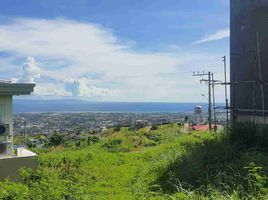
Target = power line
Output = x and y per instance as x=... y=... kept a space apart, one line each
x=208 y=81
x=211 y=83
x=214 y=103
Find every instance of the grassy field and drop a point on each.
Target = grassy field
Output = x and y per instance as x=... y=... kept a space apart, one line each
x=145 y=164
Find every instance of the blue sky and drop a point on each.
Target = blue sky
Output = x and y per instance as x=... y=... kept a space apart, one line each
x=114 y=50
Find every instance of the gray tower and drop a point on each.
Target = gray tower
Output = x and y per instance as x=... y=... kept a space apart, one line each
x=249 y=60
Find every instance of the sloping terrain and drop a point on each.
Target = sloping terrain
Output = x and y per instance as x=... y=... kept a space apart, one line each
x=163 y=163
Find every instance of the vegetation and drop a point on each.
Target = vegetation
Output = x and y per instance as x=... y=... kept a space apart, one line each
x=248 y=135
x=158 y=163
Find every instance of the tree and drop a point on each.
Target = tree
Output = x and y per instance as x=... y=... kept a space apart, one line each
x=56 y=139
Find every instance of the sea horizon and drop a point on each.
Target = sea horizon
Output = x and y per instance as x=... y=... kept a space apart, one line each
x=74 y=105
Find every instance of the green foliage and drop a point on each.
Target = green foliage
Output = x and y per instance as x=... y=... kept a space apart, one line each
x=154 y=127
x=13 y=191
x=18 y=139
x=56 y=139
x=243 y=134
x=92 y=140
x=117 y=128
x=31 y=145
x=117 y=145
x=162 y=163
x=256 y=179
x=248 y=135
x=108 y=132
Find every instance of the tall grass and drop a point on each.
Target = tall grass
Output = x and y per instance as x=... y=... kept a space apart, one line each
x=249 y=135
x=163 y=163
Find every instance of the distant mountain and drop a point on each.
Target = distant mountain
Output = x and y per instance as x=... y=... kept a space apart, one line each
x=72 y=105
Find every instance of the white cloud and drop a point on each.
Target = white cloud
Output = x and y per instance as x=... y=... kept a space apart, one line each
x=83 y=88
x=218 y=35
x=49 y=89
x=30 y=71
x=86 y=60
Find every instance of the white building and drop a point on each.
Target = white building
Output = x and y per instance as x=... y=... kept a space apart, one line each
x=11 y=160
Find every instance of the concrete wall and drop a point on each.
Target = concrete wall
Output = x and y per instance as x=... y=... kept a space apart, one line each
x=251 y=119
x=248 y=17
x=9 y=167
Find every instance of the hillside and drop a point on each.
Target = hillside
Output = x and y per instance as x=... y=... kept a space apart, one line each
x=163 y=163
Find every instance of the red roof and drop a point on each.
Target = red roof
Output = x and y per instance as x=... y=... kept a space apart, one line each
x=200 y=127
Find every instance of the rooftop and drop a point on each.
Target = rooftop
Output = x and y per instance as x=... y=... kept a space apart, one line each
x=8 y=88
x=21 y=153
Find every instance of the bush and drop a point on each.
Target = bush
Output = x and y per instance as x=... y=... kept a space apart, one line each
x=196 y=165
x=117 y=128
x=200 y=158
x=154 y=127
x=92 y=140
x=154 y=136
x=13 y=191
x=56 y=139
x=117 y=145
x=249 y=135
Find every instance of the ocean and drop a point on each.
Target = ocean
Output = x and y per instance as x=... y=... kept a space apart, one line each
x=111 y=107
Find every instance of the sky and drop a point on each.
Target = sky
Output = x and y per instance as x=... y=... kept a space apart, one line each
x=114 y=50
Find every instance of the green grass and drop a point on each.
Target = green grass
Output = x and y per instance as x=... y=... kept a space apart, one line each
x=159 y=164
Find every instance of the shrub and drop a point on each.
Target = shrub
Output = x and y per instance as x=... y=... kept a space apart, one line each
x=154 y=127
x=56 y=139
x=117 y=145
x=249 y=135
x=13 y=191
x=92 y=139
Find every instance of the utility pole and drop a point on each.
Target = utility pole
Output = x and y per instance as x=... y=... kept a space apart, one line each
x=130 y=121
x=214 y=103
x=25 y=134
x=209 y=100
x=208 y=81
x=225 y=86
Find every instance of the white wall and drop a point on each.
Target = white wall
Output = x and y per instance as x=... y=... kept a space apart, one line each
x=6 y=117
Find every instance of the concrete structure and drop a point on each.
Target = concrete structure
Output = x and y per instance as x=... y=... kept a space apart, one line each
x=11 y=160
x=10 y=165
x=249 y=60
